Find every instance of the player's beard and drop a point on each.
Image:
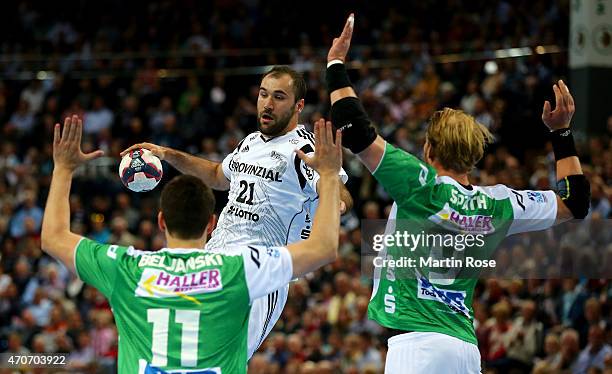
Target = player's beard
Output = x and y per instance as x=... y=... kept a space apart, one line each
x=278 y=125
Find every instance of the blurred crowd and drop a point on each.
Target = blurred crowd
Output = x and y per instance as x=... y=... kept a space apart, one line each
x=527 y=319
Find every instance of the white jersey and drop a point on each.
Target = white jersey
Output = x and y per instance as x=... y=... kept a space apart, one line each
x=271 y=202
x=272 y=194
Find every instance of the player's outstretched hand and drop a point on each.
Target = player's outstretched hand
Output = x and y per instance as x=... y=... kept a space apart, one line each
x=341 y=44
x=157 y=150
x=328 y=155
x=564 y=108
x=67 y=151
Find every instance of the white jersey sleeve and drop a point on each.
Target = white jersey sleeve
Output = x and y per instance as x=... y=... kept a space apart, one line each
x=532 y=210
x=266 y=269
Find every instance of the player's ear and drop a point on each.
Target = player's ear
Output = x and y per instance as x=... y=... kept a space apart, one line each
x=161 y=222
x=428 y=153
x=299 y=106
x=211 y=225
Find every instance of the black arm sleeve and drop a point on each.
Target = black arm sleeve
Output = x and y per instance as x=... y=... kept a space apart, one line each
x=348 y=114
x=575 y=192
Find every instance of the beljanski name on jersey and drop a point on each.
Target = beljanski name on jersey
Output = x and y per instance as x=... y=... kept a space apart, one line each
x=178 y=264
x=256 y=170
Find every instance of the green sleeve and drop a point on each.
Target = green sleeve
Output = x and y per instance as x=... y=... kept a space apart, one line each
x=400 y=173
x=97 y=264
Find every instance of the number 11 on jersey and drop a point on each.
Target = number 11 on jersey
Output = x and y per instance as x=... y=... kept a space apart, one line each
x=190 y=321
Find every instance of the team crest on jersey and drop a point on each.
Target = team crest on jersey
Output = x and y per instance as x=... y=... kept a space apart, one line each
x=157 y=283
x=280 y=162
x=454 y=221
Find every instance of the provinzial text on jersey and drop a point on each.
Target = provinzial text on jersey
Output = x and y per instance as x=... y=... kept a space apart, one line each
x=179 y=264
x=256 y=170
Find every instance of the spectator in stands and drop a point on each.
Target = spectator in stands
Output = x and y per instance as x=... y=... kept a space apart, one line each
x=595 y=353
x=551 y=351
x=28 y=218
x=344 y=297
x=524 y=338
x=15 y=345
x=499 y=330
x=83 y=357
x=98 y=119
x=120 y=233
x=570 y=349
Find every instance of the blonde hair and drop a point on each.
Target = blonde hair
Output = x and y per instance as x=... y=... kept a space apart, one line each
x=457 y=141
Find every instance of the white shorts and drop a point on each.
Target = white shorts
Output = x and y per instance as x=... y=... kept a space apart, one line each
x=431 y=353
x=265 y=311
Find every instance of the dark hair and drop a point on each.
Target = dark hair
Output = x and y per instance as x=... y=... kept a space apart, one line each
x=187 y=205
x=299 y=84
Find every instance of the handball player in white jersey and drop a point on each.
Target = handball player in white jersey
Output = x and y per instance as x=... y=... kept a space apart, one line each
x=272 y=193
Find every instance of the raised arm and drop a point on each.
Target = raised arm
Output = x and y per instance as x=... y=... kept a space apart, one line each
x=209 y=171
x=322 y=245
x=347 y=112
x=56 y=237
x=573 y=189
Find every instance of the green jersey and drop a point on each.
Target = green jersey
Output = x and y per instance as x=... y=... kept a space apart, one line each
x=427 y=296
x=182 y=310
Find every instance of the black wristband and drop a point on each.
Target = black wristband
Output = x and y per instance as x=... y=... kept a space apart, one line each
x=563 y=143
x=336 y=77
